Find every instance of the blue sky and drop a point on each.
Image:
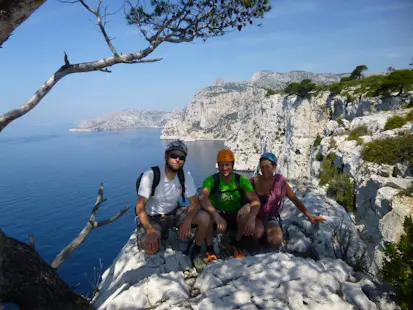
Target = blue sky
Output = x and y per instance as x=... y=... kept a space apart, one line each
x=314 y=35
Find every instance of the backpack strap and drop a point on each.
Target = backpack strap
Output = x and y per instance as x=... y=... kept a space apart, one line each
x=240 y=191
x=216 y=184
x=181 y=177
x=155 y=182
x=156 y=178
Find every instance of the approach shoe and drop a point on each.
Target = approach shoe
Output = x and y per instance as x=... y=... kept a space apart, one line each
x=237 y=251
x=210 y=256
x=198 y=262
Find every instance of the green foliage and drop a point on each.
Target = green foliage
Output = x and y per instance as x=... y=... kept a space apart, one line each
x=409 y=117
x=319 y=157
x=389 y=151
x=184 y=20
x=394 y=122
x=271 y=92
x=317 y=141
x=338 y=120
x=408 y=105
x=398 y=267
x=336 y=88
x=345 y=79
x=340 y=186
x=356 y=133
x=332 y=144
x=302 y=89
x=375 y=85
x=356 y=74
x=400 y=79
x=350 y=98
x=408 y=191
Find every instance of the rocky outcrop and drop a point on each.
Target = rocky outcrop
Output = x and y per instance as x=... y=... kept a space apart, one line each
x=247 y=118
x=126 y=119
x=379 y=211
x=309 y=273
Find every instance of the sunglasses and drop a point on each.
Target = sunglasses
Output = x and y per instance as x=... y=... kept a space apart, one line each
x=175 y=156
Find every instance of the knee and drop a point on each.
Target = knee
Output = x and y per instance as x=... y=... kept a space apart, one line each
x=258 y=233
x=274 y=241
x=203 y=219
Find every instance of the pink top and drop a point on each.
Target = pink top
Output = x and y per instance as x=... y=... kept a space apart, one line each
x=270 y=205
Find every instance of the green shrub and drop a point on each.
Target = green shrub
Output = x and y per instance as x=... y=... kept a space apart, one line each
x=359 y=141
x=317 y=140
x=394 y=122
x=398 y=267
x=340 y=186
x=332 y=144
x=350 y=98
x=345 y=79
x=271 y=92
x=409 y=117
x=336 y=88
x=319 y=157
x=389 y=151
x=358 y=132
x=408 y=105
x=302 y=89
x=385 y=109
x=408 y=191
x=338 y=120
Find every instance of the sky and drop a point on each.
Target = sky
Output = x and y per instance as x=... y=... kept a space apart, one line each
x=324 y=36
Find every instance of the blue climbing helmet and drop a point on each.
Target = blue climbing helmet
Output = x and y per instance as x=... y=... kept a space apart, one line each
x=270 y=157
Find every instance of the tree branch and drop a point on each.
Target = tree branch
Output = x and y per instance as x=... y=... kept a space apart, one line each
x=91 y=224
x=97 y=65
x=111 y=219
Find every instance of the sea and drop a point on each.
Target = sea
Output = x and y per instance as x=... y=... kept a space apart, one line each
x=49 y=180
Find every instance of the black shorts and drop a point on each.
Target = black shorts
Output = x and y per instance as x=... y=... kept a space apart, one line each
x=230 y=218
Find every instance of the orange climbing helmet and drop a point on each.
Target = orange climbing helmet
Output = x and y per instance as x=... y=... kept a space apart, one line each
x=225 y=155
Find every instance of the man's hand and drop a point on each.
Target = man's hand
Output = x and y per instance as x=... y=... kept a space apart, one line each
x=249 y=226
x=152 y=241
x=185 y=228
x=221 y=223
x=316 y=219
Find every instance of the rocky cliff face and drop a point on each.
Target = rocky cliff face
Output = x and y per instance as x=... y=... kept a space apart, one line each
x=246 y=118
x=127 y=119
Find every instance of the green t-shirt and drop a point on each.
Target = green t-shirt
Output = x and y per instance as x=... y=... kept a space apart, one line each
x=230 y=201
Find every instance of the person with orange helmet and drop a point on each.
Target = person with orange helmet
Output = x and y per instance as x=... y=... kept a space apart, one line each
x=232 y=203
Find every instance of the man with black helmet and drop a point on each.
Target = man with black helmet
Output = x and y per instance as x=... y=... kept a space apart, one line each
x=157 y=209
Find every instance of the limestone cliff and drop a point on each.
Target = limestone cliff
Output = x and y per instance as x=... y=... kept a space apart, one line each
x=246 y=117
x=126 y=119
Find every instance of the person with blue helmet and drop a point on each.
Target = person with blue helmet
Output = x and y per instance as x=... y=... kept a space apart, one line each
x=271 y=189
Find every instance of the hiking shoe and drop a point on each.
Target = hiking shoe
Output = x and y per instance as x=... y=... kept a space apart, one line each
x=238 y=252
x=198 y=262
x=210 y=256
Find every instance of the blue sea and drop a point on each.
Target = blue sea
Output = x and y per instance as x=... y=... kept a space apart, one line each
x=49 y=182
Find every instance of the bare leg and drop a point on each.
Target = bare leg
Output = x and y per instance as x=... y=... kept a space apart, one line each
x=242 y=218
x=202 y=222
x=208 y=237
x=259 y=229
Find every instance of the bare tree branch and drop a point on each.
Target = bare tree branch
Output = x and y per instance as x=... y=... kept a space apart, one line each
x=111 y=219
x=169 y=21
x=91 y=224
x=74 y=68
